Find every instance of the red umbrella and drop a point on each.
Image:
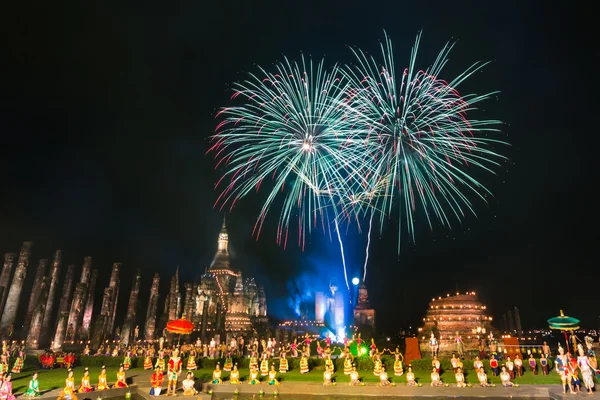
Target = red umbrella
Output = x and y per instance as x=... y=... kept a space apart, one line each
x=180 y=326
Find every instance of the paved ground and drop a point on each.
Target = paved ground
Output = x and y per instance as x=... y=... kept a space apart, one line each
x=287 y=390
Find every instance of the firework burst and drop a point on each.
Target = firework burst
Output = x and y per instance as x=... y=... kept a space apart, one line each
x=426 y=148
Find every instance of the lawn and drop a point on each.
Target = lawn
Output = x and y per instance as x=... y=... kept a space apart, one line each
x=55 y=378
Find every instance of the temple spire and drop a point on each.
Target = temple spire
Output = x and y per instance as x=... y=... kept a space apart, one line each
x=223 y=240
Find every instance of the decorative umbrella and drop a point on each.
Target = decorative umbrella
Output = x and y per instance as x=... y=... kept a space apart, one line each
x=180 y=326
x=564 y=323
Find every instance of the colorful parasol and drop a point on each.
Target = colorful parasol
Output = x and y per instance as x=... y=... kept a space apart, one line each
x=180 y=326
x=564 y=323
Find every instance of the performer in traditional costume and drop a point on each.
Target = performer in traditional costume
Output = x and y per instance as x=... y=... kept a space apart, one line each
x=160 y=361
x=191 y=361
x=460 y=378
x=329 y=363
x=283 y=363
x=505 y=378
x=383 y=377
x=253 y=361
x=272 y=376
x=587 y=370
x=234 y=377
x=373 y=348
x=561 y=364
x=348 y=364
x=410 y=377
x=127 y=360
x=175 y=365
x=69 y=390
x=294 y=347
x=573 y=376
x=264 y=364
x=156 y=381
x=533 y=364
x=435 y=378
x=433 y=344
x=477 y=364
x=454 y=362
x=121 y=379
x=544 y=364
x=85 y=386
x=494 y=365
x=510 y=367
x=398 y=359
x=253 y=376
x=460 y=348
x=327 y=375
x=303 y=364
x=519 y=365
x=4 y=363
x=354 y=380
x=482 y=378
x=188 y=385
x=228 y=363
x=377 y=365
x=147 y=361
x=435 y=363
x=18 y=363
x=102 y=381
x=216 y=376
x=6 y=389
x=33 y=390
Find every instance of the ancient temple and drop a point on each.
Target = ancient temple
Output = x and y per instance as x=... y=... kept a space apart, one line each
x=223 y=302
x=364 y=314
x=460 y=316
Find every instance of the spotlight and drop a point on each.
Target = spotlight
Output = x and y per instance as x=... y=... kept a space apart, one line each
x=355 y=281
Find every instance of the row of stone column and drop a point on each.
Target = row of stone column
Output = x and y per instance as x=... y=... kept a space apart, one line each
x=75 y=311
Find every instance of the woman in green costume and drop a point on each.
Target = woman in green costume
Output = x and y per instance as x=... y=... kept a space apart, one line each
x=34 y=386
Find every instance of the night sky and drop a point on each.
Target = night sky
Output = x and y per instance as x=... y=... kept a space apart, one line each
x=106 y=110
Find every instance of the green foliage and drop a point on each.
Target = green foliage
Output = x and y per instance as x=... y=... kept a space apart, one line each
x=98 y=361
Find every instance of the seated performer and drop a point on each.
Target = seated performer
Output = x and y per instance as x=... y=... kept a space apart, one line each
x=327 y=375
x=272 y=376
x=69 y=390
x=253 y=376
x=188 y=385
x=121 y=380
x=435 y=378
x=234 y=377
x=460 y=378
x=410 y=377
x=102 y=382
x=354 y=380
x=156 y=381
x=477 y=364
x=435 y=363
x=33 y=389
x=216 y=376
x=6 y=389
x=85 y=386
x=505 y=378
x=533 y=364
x=482 y=377
x=383 y=377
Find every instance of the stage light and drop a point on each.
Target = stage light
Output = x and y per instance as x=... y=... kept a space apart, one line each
x=355 y=281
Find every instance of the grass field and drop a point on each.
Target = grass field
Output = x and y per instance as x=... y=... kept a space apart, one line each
x=55 y=378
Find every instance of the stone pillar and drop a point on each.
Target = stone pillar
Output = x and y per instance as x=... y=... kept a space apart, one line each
x=33 y=336
x=61 y=330
x=114 y=310
x=35 y=294
x=129 y=323
x=77 y=318
x=63 y=308
x=89 y=305
x=7 y=269
x=189 y=302
x=54 y=277
x=76 y=308
x=102 y=325
x=150 y=325
x=14 y=294
x=174 y=296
